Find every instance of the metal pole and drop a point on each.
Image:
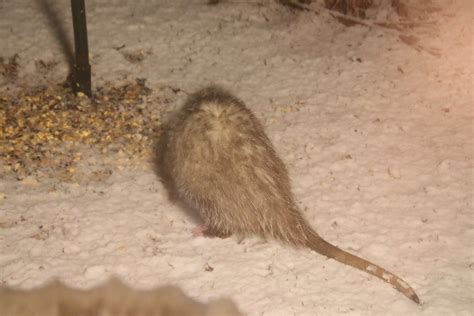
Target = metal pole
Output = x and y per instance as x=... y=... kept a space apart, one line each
x=82 y=69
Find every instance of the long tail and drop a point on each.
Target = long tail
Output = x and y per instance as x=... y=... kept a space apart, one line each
x=316 y=243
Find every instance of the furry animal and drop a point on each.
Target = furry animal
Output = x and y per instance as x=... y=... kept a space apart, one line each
x=112 y=298
x=218 y=160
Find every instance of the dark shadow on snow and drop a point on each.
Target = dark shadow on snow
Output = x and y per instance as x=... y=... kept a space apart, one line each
x=58 y=29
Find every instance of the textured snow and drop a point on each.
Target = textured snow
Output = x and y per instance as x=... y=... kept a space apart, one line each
x=377 y=136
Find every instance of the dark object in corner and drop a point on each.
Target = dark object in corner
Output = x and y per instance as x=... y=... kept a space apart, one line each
x=81 y=76
x=110 y=298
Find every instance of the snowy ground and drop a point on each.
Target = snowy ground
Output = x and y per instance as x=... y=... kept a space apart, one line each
x=377 y=136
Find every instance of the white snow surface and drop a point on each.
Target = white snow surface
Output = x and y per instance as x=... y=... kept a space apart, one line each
x=377 y=137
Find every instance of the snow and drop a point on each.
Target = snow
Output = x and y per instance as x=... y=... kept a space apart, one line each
x=377 y=137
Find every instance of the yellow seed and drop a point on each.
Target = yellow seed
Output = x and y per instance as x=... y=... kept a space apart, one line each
x=85 y=134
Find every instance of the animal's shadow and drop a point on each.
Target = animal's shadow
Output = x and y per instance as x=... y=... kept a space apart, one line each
x=58 y=29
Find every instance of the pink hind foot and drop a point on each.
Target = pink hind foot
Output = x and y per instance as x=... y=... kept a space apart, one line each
x=206 y=231
x=199 y=230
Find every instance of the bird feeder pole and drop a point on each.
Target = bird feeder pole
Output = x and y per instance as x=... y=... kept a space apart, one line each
x=81 y=79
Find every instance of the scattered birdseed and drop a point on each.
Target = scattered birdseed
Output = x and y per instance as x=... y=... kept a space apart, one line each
x=48 y=131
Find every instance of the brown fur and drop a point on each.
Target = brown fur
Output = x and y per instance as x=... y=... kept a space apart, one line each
x=112 y=298
x=218 y=160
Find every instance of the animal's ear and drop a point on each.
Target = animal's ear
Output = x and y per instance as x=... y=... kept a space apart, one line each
x=222 y=307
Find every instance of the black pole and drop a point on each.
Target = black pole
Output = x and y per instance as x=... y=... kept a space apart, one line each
x=81 y=81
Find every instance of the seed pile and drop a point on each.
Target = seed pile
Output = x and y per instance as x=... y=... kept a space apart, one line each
x=48 y=131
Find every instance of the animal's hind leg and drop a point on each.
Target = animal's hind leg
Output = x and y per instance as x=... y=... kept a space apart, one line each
x=207 y=231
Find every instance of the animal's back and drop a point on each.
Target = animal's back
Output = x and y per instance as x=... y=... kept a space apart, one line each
x=224 y=166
